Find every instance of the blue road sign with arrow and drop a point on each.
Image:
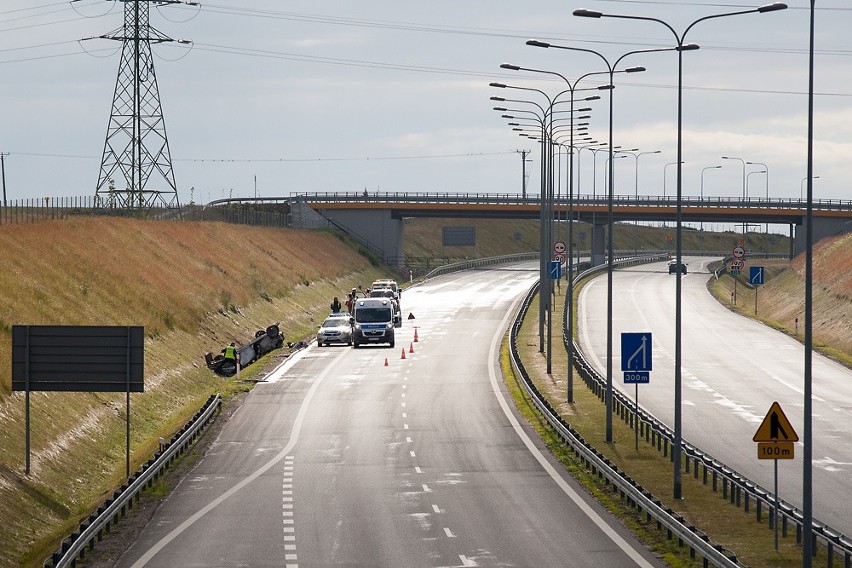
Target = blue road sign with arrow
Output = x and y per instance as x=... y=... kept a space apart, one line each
x=555 y=270
x=755 y=275
x=636 y=351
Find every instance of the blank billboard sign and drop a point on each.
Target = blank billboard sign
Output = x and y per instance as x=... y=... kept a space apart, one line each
x=78 y=358
x=459 y=236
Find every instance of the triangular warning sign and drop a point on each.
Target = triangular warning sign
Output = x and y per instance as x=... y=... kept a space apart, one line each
x=775 y=427
x=410 y=316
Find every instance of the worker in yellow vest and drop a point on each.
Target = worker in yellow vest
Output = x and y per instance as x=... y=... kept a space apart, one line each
x=230 y=353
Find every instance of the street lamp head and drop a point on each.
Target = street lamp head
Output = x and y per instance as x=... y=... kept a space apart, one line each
x=501 y=109
x=772 y=7
x=587 y=13
x=536 y=43
x=606 y=87
x=634 y=70
x=498 y=99
x=584 y=109
x=687 y=47
x=498 y=85
x=510 y=67
x=592 y=98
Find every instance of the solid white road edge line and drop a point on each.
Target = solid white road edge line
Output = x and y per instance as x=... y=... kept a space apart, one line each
x=581 y=504
x=294 y=437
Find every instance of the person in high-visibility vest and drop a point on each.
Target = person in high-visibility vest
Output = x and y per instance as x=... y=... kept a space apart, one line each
x=230 y=352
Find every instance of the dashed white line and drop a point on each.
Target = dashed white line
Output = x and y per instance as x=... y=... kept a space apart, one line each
x=436 y=508
x=467 y=561
x=417 y=469
x=449 y=533
x=412 y=454
x=426 y=489
x=408 y=439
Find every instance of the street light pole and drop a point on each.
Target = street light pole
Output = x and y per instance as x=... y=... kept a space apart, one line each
x=701 y=197
x=3 y=174
x=664 y=174
x=749 y=181
x=544 y=209
x=676 y=450
x=802 y=185
x=610 y=224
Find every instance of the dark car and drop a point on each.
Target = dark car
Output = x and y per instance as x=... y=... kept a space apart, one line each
x=673 y=267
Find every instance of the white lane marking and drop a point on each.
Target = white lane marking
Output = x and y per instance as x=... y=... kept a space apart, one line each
x=408 y=439
x=436 y=508
x=449 y=533
x=405 y=415
x=465 y=561
x=417 y=469
x=412 y=454
x=294 y=437
x=426 y=489
x=405 y=426
x=496 y=341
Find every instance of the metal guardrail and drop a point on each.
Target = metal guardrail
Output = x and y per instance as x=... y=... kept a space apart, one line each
x=91 y=530
x=737 y=488
x=467 y=264
x=631 y=491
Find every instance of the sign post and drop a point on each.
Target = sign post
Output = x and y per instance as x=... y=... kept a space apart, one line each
x=737 y=266
x=636 y=362
x=775 y=439
x=755 y=278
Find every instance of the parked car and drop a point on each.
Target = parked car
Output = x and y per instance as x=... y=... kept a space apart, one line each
x=673 y=267
x=335 y=329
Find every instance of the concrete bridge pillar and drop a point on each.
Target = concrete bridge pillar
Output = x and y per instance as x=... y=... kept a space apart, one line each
x=598 y=244
x=376 y=229
x=823 y=227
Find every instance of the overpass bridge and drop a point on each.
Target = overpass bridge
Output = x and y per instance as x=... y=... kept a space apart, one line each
x=376 y=218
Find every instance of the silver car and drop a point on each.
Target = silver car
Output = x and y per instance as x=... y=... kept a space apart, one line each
x=337 y=329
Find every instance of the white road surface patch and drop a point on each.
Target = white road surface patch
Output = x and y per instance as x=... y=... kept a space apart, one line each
x=291 y=443
x=610 y=533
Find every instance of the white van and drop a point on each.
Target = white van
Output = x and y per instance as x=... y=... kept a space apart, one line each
x=373 y=321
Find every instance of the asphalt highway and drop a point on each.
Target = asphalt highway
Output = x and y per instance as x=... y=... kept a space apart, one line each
x=733 y=369
x=346 y=457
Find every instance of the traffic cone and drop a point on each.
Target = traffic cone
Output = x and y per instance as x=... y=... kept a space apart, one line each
x=411 y=348
x=415 y=334
x=386 y=361
x=403 y=353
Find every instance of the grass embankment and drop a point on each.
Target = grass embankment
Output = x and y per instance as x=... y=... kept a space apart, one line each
x=194 y=286
x=725 y=523
x=780 y=301
x=501 y=236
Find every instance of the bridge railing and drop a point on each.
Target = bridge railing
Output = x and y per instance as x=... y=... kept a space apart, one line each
x=582 y=200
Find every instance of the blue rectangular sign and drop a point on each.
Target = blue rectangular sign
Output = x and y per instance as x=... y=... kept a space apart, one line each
x=755 y=275
x=637 y=377
x=555 y=269
x=636 y=351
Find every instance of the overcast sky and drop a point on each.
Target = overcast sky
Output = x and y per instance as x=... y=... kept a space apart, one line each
x=391 y=95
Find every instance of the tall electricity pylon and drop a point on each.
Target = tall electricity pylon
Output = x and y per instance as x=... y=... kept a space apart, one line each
x=137 y=148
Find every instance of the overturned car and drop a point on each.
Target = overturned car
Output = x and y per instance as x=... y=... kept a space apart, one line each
x=264 y=342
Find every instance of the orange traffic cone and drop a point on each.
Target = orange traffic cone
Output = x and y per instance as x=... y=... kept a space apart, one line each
x=415 y=334
x=403 y=353
x=386 y=361
x=411 y=348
